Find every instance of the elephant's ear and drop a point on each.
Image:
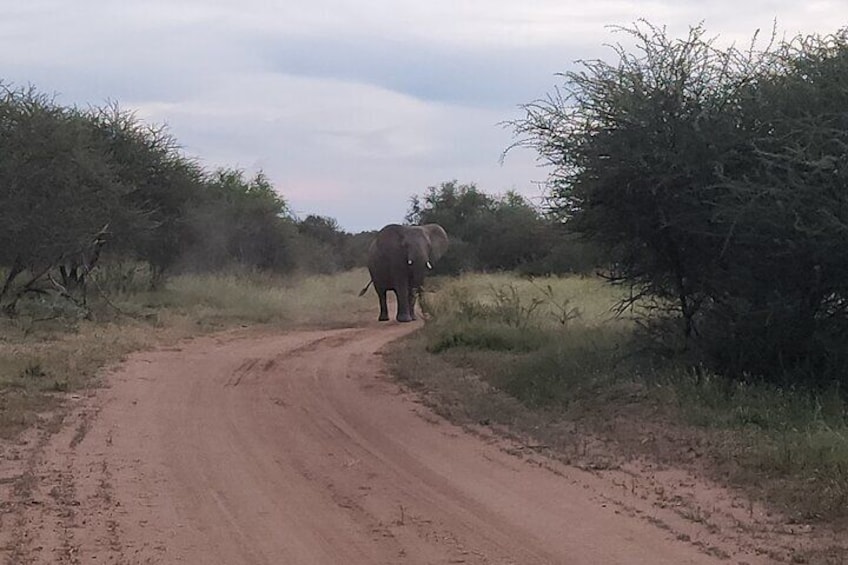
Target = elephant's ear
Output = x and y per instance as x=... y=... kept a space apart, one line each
x=438 y=240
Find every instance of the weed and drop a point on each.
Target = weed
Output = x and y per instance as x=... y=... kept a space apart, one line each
x=511 y=308
x=562 y=311
x=574 y=364
x=122 y=278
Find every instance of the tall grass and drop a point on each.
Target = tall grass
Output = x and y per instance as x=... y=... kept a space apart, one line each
x=555 y=346
x=324 y=300
x=544 y=302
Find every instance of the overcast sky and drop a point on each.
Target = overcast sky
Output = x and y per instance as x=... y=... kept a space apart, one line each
x=350 y=107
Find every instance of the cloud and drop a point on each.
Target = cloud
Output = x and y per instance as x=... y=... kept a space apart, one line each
x=330 y=146
x=496 y=77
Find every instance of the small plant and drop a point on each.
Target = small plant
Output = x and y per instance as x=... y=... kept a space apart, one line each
x=33 y=370
x=61 y=385
x=511 y=309
x=562 y=312
x=487 y=337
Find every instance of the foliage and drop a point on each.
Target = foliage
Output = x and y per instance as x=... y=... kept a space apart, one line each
x=161 y=184
x=714 y=179
x=77 y=182
x=489 y=232
x=322 y=229
x=323 y=247
x=58 y=190
x=239 y=221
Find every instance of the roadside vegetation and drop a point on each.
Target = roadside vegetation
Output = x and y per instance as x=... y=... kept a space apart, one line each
x=550 y=358
x=714 y=180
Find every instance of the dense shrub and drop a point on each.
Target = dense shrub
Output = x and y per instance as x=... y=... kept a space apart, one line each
x=75 y=183
x=715 y=181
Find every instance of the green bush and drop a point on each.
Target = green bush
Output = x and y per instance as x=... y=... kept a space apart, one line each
x=714 y=180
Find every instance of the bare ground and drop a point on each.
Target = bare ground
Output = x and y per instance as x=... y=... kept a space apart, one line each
x=297 y=448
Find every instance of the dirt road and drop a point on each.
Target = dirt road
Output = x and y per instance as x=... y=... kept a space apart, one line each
x=297 y=449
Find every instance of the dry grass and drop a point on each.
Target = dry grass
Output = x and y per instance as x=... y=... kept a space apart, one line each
x=547 y=302
x=315 y=300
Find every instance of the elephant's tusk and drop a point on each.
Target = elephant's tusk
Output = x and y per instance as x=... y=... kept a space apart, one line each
x=429 y=266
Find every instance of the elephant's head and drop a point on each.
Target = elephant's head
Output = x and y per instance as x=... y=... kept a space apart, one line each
x=424 y=246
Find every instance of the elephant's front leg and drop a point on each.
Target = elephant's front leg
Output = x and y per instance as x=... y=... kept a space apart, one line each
x=403 y=309
x=384 y=309
x=413 y=294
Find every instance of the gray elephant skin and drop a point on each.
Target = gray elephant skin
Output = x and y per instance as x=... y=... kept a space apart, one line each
x=399 y=259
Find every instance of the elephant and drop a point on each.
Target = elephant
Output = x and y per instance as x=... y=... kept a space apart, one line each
x=398 y=260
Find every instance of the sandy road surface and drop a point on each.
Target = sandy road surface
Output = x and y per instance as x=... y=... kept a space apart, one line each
x=296 y=449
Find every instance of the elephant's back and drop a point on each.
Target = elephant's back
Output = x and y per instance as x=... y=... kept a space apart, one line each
x=389 y=240
x=391 y=232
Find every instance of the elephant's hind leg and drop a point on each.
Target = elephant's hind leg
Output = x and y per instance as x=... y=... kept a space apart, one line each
x=384 y=309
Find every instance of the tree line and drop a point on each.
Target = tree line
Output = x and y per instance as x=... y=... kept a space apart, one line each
x=500 y=232
x=80 y=186
x=716 y=182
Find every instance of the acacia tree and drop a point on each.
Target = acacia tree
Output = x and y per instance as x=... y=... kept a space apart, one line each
x=77 y=182
x=160 y=184
x=323 y=247
x=57 y=190
x=714 y=179
x=239 y=221
x=786 y=275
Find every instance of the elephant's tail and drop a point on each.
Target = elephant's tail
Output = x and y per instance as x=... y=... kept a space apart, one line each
x=364 y=290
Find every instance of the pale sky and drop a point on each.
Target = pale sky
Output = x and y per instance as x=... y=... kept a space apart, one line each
x=349 y=107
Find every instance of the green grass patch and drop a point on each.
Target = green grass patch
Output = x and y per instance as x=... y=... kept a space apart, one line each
x=790 y=446
x=487 y=337
x=576 y=364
